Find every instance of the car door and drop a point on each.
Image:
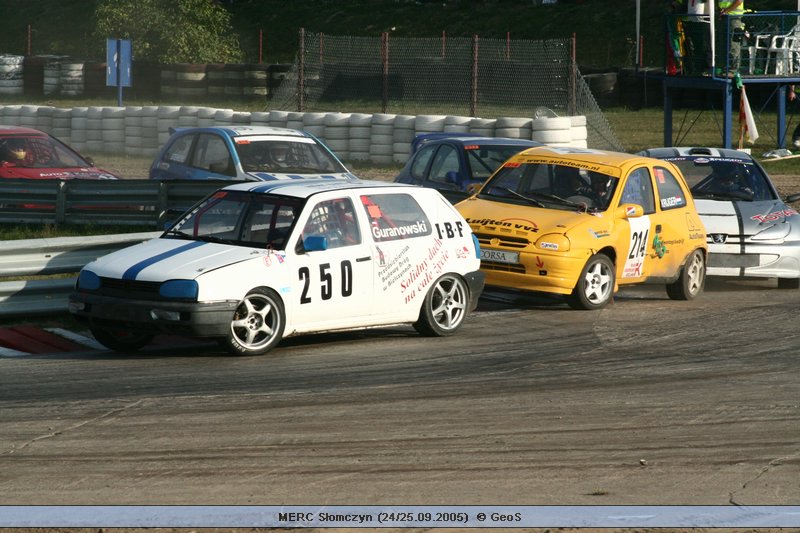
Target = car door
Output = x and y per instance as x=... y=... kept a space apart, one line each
x=676 y=221
x=638 y=262
x=333 y=287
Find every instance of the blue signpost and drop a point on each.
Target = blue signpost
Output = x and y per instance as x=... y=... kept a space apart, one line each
x=118 y=65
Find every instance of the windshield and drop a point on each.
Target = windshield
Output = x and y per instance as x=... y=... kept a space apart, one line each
x=270 y=154
x=38 y=152
x=725 y=179
x=484 y=160
x=552 y=186
x=242 y=219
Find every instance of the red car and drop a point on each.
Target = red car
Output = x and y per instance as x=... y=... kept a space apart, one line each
x=34 y=154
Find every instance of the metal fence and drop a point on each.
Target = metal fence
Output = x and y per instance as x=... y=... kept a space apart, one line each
x=475 y=77
x=50 y=257
x=145 y=203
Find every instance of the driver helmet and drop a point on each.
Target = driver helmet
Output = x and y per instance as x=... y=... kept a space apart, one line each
x=16 y=150
x=279 y=152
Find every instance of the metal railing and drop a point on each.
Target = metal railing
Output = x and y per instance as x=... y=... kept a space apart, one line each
x=146 y=203
x=51 y=257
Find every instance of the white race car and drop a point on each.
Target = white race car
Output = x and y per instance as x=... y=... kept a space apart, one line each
x=752 y=231
x=256 y=262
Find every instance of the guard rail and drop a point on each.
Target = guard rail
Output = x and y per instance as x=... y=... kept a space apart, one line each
x=134 y=202
x=60 y=257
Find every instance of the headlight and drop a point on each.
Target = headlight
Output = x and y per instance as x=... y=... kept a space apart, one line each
x=184 y=289
x=553 y=242
x=88 y=281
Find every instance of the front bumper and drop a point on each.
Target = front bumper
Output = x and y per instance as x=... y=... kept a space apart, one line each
x=200 y=319
x=754 y=260
x=541 y=272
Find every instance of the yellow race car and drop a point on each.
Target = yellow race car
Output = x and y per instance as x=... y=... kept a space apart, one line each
x=581 y=222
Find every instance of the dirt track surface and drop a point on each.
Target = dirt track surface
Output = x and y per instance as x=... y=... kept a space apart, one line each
x=647 y=402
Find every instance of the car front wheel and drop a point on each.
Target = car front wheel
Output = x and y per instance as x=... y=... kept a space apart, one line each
x=595 y=286
x=691 y=280
x=257 y=324
x=444 y=308
x=121 y=339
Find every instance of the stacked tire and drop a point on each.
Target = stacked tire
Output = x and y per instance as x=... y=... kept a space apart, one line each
x=11 y=75
x=555 y=131
x=381 y=146
x=514 y=127
x=337 y=134
x=483 y=126
x=71 y=78
x=403 y=134
x=360 y=131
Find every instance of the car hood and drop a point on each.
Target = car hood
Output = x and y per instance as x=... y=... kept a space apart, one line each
x=743 y=218
x=56 y=173
x=270 y=176
x=164 y=259
x=483 y=215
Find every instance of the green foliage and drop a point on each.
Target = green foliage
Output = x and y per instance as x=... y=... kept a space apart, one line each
x=178 y=31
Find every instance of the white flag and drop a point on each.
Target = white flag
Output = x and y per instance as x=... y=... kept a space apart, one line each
x=746 y=121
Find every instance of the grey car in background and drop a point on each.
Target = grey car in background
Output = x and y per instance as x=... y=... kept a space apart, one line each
x=752 y=231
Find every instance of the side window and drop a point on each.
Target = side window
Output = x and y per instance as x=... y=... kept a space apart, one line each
x=446 y=160
x=336 y=220
x=178 y=152
x=395 y=216
x=421 y=162
x=211 y=153
x=670 y=193
x=639 y=190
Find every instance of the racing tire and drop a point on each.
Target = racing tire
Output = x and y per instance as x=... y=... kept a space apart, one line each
x=595 y=287
x=444 y=308
x=789 y=283
x=257 y=324
x=691 y=279
x=121 y=339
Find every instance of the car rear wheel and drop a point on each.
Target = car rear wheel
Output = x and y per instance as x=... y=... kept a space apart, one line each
x=595 y=286
x=789 y=283
x=691 y=280
x=257 y=324
x=121 y=339
x=445 y=307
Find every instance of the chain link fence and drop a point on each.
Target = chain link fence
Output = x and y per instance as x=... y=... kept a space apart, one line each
x=487 y=78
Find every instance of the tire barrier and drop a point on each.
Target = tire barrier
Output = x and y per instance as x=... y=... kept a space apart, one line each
x=32 y=75
x=380 y=138
x=11 y=75
x=51 y=75
x=337 y=134
x=215 y=78
x=168 y=81
x=360 y=129
x=190 y=81
x=254 y=82
x=402 y=136
x=234 y=79
x=71 y=79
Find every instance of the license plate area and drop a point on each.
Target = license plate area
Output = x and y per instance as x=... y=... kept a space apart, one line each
x=499 y=256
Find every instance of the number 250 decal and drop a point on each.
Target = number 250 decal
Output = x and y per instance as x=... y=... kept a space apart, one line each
x=326 y=281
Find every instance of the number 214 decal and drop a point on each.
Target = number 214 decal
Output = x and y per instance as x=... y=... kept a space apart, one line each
x=638 y=244
x=326 y=281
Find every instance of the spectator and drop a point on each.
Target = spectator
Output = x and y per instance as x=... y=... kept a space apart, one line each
x=734 y=9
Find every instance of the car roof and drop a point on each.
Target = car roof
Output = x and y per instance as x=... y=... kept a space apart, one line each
x=426 y=139
x=241 y=131
x=20 y=130
x=304 y=188
x=581 y=156
x=695 y=152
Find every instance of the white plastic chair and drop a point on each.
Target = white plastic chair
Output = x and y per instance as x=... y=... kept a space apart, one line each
x=782 y=49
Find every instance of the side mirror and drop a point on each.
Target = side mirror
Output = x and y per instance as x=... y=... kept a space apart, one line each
x=792 y=198
x=626 y=211
x=473 y=188
x=454 y=178
x=219 y=167
x=89 y=160
x=315 y=243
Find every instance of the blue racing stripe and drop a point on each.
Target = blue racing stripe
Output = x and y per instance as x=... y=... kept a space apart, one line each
x=133 y=271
